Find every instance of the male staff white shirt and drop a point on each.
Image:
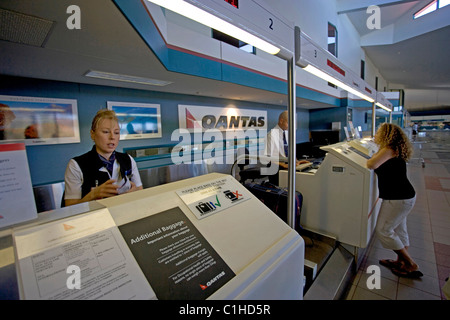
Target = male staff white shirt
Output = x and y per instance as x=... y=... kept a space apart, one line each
x=275 y=143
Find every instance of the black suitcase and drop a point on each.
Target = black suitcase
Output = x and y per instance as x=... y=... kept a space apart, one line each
x=276 y=199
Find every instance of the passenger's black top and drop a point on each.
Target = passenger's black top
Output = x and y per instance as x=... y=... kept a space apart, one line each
x=393 y=183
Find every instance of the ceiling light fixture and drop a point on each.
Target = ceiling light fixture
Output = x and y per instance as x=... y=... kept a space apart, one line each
x=125 y=78
x=192 y=12
x=323 y=75
x=383 y=107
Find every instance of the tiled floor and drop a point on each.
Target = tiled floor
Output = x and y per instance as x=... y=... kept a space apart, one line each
x=428 y=227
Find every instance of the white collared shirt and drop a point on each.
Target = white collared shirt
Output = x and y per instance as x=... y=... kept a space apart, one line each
x=274 y=146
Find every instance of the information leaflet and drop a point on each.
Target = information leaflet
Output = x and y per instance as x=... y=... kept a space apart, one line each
x=16 y=192
x=81 y=258
x=176 y=259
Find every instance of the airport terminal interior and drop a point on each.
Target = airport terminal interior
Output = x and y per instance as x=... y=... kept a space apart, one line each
x=247 y=127
x=428 y=224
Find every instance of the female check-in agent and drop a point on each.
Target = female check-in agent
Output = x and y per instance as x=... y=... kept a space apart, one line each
x=101 y=172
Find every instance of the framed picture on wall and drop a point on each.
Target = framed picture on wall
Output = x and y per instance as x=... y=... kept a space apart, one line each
x=137 y=120
x=38 y=121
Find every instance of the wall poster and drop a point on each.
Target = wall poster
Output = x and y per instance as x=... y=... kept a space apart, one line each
x=137 y=120
x=38 y=121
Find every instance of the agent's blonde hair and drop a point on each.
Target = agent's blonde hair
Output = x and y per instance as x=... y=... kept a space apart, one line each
x=103 y=114
x=392 y=136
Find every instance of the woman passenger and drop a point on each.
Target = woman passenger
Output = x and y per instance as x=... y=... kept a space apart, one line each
x=398 y=197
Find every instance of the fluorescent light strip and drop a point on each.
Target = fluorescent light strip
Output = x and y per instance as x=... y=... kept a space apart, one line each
x=192 y=12
x=383 y=107
x=125 y=78
x=319 y=73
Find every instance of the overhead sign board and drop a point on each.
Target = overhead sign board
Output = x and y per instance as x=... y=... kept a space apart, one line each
x=255 y=17
x=383 y=100
x=313 y=54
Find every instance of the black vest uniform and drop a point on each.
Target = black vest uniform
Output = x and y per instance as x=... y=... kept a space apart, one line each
x=90 y=164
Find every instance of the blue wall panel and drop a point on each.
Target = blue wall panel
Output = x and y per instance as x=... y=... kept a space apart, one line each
x=48 y=162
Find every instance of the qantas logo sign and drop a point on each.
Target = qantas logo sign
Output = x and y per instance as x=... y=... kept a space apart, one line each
x=197 y=117
x=210 y=282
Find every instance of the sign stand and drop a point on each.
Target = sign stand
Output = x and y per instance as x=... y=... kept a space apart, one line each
x=16 y=191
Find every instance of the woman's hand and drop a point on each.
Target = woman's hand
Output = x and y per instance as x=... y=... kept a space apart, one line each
x=133 y=187
x=301 y=162
x=383 y=155
x=105 y=190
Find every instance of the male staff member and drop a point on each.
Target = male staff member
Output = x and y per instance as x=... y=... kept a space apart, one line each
x=277 y=144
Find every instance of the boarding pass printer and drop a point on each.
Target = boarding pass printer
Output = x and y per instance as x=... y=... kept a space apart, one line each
x=340 y=197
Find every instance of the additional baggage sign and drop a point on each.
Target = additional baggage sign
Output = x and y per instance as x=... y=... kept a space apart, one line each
x=16 y=192
x=212 y=197
x=175 y=257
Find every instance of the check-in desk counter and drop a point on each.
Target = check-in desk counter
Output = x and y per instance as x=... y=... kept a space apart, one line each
x=201 y=238
x=340 y=197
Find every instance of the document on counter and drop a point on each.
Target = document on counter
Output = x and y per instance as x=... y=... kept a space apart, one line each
x=79 y=258
x=16 y=191
x=177 y=260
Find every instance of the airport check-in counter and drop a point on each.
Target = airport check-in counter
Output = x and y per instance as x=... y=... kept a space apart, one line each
x=340 y=197
x=205 y=237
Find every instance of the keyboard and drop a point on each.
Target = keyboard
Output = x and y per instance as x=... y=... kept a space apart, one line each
x=303 y=166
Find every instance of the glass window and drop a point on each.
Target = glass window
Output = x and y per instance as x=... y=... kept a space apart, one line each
x=332 y=39
x=363 y=69
x=432 y=6
x=443 y=3
x=232 y=41
x=332 y=44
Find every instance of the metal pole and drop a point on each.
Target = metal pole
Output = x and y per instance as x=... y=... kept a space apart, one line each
x=292 y=141
x=374 y=117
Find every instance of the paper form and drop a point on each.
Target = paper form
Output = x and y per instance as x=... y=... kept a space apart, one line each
x=91 y=243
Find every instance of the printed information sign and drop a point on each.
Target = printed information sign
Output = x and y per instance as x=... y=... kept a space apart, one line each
x=176 y=259
x=212 y=197
x=16 y=192
x=79 y=258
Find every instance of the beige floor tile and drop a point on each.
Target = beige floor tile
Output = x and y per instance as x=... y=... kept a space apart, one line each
x=363 y=294
x=425 y=283
x=407 y=293
x=388 y=287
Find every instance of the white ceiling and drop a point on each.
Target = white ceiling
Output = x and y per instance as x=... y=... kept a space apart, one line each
x=417 y=64
x=107 y=42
